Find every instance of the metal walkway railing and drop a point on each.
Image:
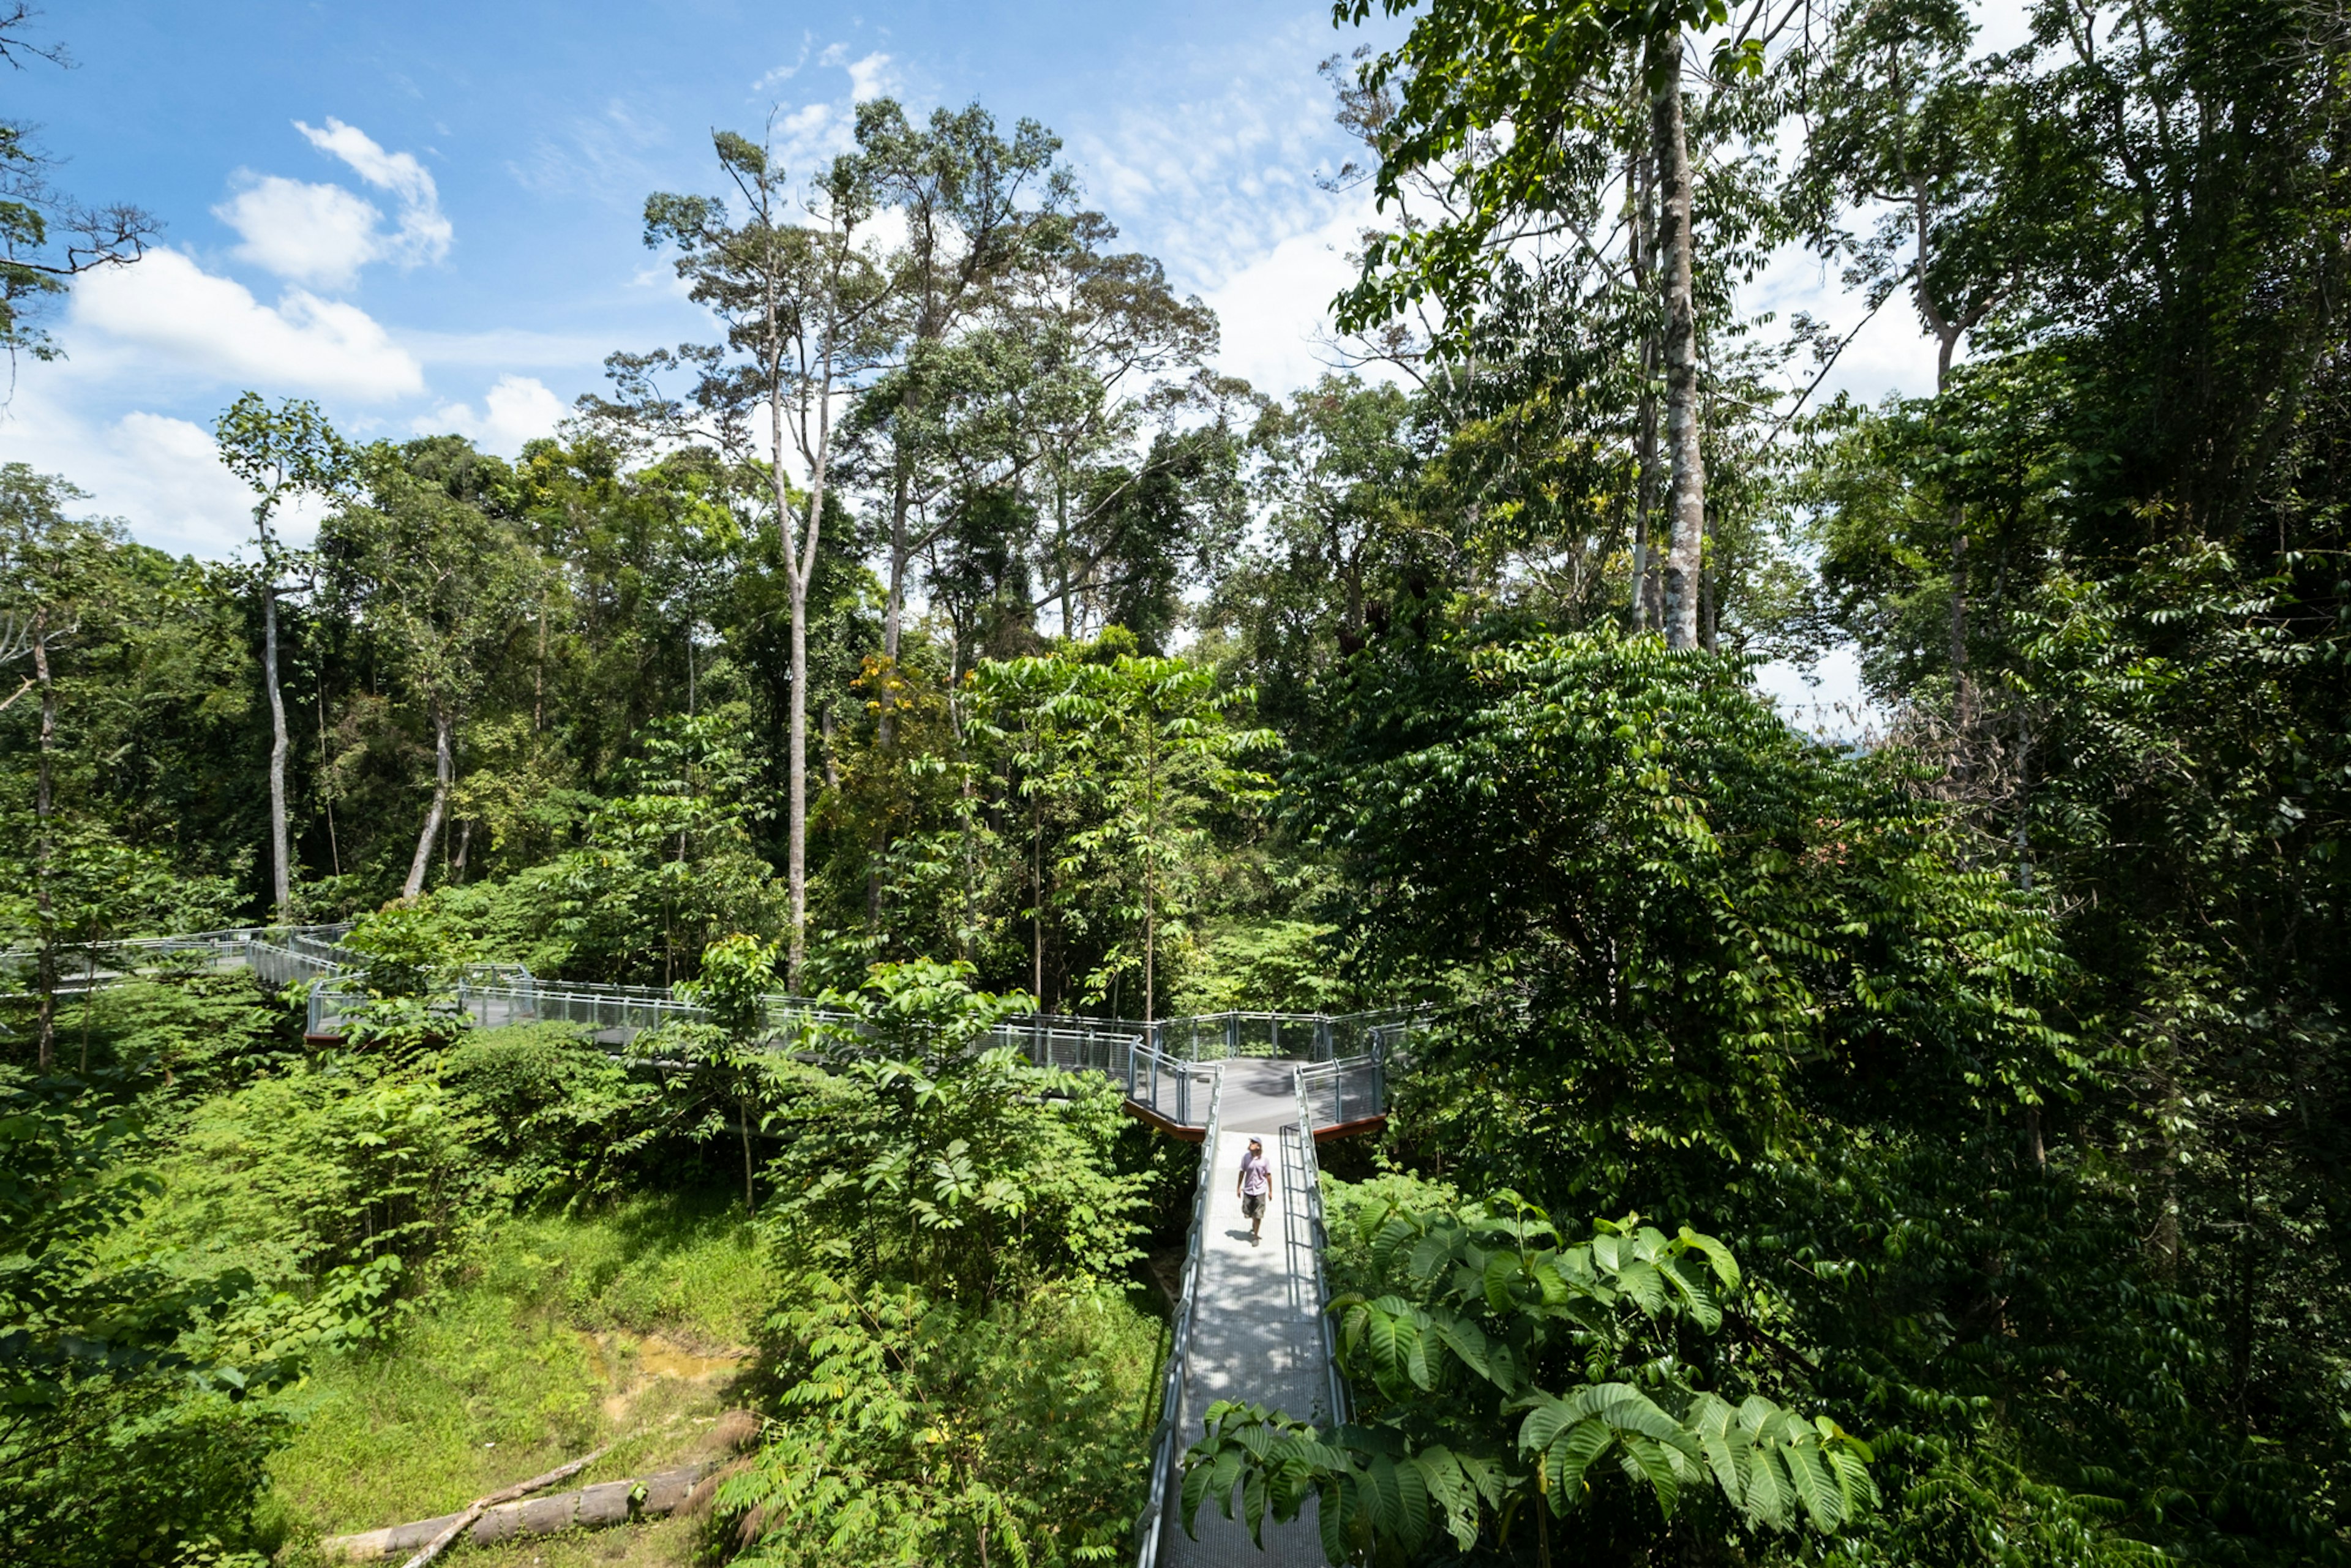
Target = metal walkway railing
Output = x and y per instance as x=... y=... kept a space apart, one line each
x=1340 y=1408
x=1167 y=1440
x=1163 y=1066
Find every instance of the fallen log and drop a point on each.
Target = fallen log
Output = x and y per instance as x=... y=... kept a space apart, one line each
x=472 y=1511
x=499 y=1517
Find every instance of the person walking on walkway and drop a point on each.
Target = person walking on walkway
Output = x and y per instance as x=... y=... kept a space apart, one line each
x=1256 y=1185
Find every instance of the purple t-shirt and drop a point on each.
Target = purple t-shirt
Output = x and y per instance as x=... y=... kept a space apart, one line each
x=1256 y=1175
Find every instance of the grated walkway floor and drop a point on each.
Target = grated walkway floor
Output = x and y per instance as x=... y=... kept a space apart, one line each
x=1255 y=1333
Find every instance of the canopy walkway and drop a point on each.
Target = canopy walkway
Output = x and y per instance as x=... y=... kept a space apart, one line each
x=1249 y=1320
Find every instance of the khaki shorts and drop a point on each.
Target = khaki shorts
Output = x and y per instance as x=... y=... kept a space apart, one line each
x=1252 y=1205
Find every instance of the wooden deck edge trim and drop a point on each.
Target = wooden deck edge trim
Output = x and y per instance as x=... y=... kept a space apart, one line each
x=1349 y=1129
x=1152 y=1118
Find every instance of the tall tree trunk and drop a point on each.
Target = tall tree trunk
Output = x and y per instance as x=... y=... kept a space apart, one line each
x=1947 y=332
x=1150 y=842
x=1061 y=547
x=1645 y=503
x=1686 y=500
x=743 y=1124
x=281 y=871
x=2023 y=837
x=796 y=853
x=444 y=767
x=44 y=851
x=801 y=564
x=893 y=615
x=1037 y=897
x=885 y=729
x=1640 y=174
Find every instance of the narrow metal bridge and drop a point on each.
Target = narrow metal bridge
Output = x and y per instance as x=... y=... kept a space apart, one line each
x=1249 y=1318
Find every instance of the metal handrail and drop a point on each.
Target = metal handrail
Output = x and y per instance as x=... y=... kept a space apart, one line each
x=229 y=935
x=1179 y=1347
x=1335 y=1391
x=1372 y=1101
x=1145 y=1070
x=1317 y=1037
x=1114 y=1047
x=1307 y=1037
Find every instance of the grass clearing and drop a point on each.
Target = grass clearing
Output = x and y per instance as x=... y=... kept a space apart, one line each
x=555 y=1334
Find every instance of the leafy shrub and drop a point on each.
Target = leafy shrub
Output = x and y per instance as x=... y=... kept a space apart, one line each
x=961 y=1378
x=125 y=1435
x=195 y=1031
x=555 y=1113
x=924 y=1160
x=1497 y=1370
x=348 y=1159
x=922 y=1432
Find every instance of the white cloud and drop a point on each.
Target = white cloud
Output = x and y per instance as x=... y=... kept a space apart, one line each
x=170 y=307
x=319 y=234
x=513 y=412
x=782 y=74
x=161 y=475
x=322 y=234
x=869 y=78
x=1275 y=310
x=424 y=234
x=1211 y=161
x=806 y=137
x=613 y=157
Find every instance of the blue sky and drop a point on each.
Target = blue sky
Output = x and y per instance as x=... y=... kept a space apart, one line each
x=427 y=215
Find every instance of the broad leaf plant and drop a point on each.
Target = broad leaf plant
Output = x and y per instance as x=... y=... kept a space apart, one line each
x=1508 y=1380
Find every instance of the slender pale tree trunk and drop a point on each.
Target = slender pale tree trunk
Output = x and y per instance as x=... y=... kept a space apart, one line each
x=800 y=566
x=1705 y=589
x=1644 y=503
x=444 y=767
x=743 y=1125
x=1061 y=544
x=281 y=871
x=796 y=853
x=1642 y=196
x=1686 y=496
x=894 y=615
x=44 y=850
x=1036 y=891
x=1150 y=843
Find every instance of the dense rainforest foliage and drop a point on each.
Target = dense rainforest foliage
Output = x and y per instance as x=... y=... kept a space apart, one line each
x=1928 y=1145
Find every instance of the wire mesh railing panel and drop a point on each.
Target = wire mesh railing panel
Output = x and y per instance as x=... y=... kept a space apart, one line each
x=1172 y=1089
x=1297 y=1036
x=1166 y=1435
x=1338 y=1407
x=1166 y=1066
x=273 y=963
x=1070 y=1049
x=1342 y=1093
